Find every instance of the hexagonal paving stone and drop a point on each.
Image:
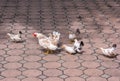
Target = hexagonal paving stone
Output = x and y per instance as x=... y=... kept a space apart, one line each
x=96 y=79
x=52 y=65
x=113 y=72
x=90 y=64
x=51 y=58
x=2 y=52
x=12 y=65
x=13 y=58
x=110 y=64
x=53 y=79
x=15 y=52
x=32 y=58
x=52 y=72
x=10 y=79
x=71 y=64
x=73 y=72
x=114 y=78
x=69 y=58
x=31 y=79
x=88 y=57
x=15 y=46
x=93 y=72
x=11 y=73
x=32 y=73
x=33 y=52
x=2 y=46
x=32 y=65
x=74 y=79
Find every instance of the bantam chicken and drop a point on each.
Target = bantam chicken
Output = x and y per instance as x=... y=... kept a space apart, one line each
x=45 y=43
x=109 y=52
x=15 y=37
x=69 y=49
x=55 y=37
x=78 y=45
x=74 y=35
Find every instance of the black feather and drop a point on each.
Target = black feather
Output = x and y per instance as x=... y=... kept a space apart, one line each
x=77 y=31
x=20 y=32
x=109 y=6
x=79 y=17
x=82 y=43
x=114 y=45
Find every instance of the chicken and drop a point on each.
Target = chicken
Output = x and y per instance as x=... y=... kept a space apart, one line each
x=78 y=45
x=39 y=35
x=109 y=52
x=73 y=35
x=45 y=43
x=15 y=37
x=69 y=49
x=54 y=37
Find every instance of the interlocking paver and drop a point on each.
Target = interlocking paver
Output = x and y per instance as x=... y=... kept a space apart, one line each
x=99 y=26
x=13 y=58
x=10 y=79
x=32 y=58
x=52 y=72
x=32 y=65
x=14 y=65
x=11 y=73
x=71 y=64
x=53 y=79
x=93 y=72
x=73 y=72
x=32 y=73
x=114 y=78
x=74 y=79
x=96 y=79
x=90 y=64
x=52 y=65
x=31 y=79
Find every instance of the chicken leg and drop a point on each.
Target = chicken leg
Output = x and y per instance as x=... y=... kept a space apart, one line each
x=47 y=51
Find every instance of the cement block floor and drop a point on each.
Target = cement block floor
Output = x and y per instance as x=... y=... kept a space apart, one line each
x=99 y=26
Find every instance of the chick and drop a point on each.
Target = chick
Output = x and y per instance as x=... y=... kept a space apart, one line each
x=55 y=37
x=109 y=52
x=74 y=35
x=68 y=49
x=78 y=45
x=15 y=37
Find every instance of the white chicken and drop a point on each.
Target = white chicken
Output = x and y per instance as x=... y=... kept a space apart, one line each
x=15 y=37
x=74 y=35
x=109 y=52
x=78 y=45
x=54 y=37
x=69 y=49
x=45 y=42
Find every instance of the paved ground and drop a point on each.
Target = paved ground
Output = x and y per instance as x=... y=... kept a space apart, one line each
x=99 y=25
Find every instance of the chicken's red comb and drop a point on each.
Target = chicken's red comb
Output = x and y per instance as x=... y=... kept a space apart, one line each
x=34 y=34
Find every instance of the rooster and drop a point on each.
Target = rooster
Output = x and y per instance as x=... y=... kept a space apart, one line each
x=109 y=52
x=45 y=42
x=15 y=37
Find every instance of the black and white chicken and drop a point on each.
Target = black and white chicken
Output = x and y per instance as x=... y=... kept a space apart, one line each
x=109 y=52
x=15 y=37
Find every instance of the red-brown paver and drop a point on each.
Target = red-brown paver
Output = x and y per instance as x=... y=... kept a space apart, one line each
x=99 y=26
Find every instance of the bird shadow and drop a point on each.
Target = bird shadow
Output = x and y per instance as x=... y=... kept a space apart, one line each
x=113 y=56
